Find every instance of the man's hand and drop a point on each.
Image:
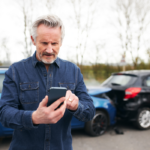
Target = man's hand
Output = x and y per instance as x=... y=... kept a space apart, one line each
x=48 y=115
x=72 y=101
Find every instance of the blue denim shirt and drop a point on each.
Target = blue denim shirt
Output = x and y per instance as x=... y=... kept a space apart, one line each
x=25 y=85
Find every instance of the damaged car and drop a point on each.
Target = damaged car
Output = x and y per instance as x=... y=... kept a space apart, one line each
x=131 y=96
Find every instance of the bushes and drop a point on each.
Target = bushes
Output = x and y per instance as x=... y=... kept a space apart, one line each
x=102 y=71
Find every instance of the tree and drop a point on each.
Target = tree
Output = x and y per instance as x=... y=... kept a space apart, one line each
x=26 y=8
x=6 y=52
x=132 y=22
x=50 y=4
x=124 y=11
x=82 y=18
x=142 y=11
x=148 y=53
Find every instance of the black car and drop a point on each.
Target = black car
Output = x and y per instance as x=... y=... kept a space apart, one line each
x=131 y=95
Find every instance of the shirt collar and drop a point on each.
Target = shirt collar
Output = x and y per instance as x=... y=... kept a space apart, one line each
x=35 y=61
x=57 y=61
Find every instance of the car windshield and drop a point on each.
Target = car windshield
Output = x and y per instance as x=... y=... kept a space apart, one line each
x=1 y=82
x=120 y=80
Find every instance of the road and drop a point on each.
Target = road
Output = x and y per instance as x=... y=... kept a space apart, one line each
x=132 y=139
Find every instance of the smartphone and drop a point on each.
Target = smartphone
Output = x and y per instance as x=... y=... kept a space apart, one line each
x=54 y=93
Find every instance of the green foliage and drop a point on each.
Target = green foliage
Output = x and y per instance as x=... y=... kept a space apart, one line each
x=102 y=71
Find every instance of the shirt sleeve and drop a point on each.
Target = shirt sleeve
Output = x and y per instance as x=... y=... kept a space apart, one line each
x=86 y=110
x=11 y=115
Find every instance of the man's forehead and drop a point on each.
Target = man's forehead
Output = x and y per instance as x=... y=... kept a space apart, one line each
x=43 y=27
x=43 y=30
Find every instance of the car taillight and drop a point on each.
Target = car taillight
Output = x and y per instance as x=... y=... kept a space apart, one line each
x=131 y=92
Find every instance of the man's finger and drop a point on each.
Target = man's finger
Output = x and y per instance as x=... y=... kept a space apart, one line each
x=57 y=103
x=59 y=113
x=68 y=93
x=72 y=102
x=44 y=102
x=57 y=117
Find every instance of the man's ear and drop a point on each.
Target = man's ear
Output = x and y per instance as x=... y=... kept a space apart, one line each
x=32 y=40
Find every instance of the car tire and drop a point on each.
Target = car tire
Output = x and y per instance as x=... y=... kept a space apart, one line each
x=143 y=118
x=98 y=125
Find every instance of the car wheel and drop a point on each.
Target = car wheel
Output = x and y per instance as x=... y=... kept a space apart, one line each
x=143 y=118
x=98 y=125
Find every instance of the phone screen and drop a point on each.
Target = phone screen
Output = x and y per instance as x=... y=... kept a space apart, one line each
x=54 y=93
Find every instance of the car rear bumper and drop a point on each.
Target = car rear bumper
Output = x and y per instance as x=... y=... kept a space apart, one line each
x=127 y=113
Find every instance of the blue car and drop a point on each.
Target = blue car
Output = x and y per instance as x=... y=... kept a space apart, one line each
x=104 y=116
x=3 y=131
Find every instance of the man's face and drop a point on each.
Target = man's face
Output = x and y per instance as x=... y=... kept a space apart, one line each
x=48 y=42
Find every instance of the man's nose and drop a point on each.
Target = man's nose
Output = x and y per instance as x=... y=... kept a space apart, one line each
x=49 y=48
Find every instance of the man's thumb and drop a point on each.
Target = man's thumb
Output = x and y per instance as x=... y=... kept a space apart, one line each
x=44 y=101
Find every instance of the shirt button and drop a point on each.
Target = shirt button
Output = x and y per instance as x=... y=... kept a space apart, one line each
x=45 y=75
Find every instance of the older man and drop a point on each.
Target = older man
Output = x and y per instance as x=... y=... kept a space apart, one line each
x=23 y=105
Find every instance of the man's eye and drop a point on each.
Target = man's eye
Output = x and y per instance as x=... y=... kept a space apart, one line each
x=44 y=43
x=54 y=43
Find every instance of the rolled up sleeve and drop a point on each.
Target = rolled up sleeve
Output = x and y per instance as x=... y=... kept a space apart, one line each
x=86 y=110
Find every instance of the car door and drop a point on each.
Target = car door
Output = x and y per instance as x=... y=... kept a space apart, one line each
x=75 y=123
x=146 y=88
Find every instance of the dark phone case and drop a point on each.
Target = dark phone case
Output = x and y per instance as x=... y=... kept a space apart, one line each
x=54 y=93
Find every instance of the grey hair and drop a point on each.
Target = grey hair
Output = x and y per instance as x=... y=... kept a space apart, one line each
x=49 y=21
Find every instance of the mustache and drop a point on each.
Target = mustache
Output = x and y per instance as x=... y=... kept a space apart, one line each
x=45 y=53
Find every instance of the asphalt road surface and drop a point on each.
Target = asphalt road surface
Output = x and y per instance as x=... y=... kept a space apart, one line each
x=132 y=139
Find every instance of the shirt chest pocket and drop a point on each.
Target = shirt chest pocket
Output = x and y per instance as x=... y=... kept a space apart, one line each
x=29 y=92
x=69 y=86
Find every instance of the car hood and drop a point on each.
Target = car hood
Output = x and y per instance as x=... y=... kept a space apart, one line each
x=99 y=90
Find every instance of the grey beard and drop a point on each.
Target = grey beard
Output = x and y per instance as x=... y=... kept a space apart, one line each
x=45 y=62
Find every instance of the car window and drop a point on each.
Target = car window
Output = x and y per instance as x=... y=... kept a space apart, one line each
x=147 y=81
x=120 y=80
x=1 y=81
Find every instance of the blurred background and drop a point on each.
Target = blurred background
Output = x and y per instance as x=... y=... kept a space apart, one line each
x=101 y=37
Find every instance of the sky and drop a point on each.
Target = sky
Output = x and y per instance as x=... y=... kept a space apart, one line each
x=103 y=31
